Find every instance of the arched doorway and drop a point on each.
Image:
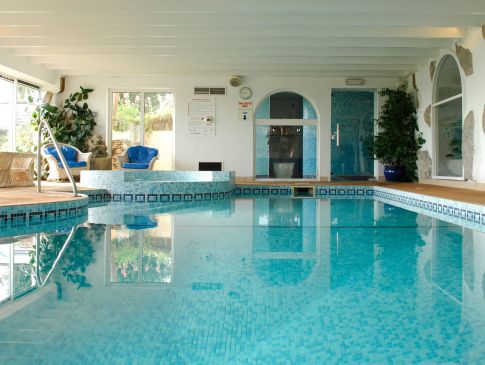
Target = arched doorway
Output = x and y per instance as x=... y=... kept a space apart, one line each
x=286 y=125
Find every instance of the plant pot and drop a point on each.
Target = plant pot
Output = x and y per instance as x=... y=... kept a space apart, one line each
x=455 y=166
x=394 y=173
x=283 y=170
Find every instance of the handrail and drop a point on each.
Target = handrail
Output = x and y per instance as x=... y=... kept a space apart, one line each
x=40 y=282
x=59 y=153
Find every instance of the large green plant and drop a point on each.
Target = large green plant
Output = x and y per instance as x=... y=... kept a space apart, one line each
x=398 y=139
x=72 y=122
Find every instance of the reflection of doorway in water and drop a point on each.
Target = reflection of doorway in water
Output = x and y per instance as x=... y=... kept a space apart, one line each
x=284 y=240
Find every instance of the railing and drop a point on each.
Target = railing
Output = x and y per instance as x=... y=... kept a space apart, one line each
x=40 y=282
x=43 y=123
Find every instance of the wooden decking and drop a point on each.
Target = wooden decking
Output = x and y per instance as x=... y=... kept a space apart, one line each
x=51 y=193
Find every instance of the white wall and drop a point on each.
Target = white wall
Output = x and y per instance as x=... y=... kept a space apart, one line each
x=473 y=97
x=21 y=68
x=233 y=142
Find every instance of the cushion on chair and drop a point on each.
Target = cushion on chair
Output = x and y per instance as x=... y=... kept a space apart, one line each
x=139 y=221
x=74 y=164
x=135 y=165
x=141 y=154
x=70 y=154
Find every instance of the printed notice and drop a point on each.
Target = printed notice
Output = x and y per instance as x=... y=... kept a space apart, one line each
x=201 y=113
x=245 y=111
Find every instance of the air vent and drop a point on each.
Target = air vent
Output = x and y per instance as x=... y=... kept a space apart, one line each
x=210 y=90
x=218 y=91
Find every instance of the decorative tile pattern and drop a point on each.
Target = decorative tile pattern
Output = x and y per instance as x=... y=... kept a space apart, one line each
x=36 y=214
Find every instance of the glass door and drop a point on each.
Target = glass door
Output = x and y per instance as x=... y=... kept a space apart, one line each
x=143 y=118
x=353 y=114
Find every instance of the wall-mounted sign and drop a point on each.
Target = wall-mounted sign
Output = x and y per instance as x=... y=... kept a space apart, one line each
x=245 y=111
x=201 y=114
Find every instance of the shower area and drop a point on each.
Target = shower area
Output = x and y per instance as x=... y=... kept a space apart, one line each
x=286 y=138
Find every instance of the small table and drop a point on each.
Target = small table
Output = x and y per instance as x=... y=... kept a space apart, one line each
x=100 y=163
x=15 y=169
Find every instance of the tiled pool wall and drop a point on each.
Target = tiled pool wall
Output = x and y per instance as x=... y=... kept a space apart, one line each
x=123 y=212
x=159 y=186
x=16 y=216
x=12 y=218
x=466 y=214
x=286 y=191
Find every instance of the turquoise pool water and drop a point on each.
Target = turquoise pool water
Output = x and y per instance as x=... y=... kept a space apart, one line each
x=248 y=281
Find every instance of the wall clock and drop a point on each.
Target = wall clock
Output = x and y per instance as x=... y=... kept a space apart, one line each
x=245 y=92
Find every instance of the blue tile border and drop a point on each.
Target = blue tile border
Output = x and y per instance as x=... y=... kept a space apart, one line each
x=467 y=214
x=18 y=216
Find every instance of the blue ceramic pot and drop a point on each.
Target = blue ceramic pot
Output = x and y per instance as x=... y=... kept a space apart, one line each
x=393 y=173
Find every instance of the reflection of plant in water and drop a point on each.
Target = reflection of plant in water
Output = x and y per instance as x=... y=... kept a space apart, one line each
x=77 y=257
x=155 y=263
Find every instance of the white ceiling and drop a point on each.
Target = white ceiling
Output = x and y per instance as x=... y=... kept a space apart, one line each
x=245 y=37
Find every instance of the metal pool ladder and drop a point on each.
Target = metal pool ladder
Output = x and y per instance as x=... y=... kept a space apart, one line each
x=43 y=123
x=40 y=282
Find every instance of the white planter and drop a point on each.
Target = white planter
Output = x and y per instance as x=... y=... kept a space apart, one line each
x=455 y=167
x=283 y=170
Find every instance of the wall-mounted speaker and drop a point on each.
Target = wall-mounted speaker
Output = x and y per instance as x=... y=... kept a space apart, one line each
x=235 y=80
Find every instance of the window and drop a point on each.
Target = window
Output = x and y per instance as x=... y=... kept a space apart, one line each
x=448 y=120
x=144 y=118
x=286 y=137
x=16 y=133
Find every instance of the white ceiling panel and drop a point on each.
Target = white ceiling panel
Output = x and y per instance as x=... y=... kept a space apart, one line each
x=215 y=37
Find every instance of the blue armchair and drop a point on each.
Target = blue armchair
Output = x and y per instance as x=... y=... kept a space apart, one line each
x=75 y=159
x=138 y=157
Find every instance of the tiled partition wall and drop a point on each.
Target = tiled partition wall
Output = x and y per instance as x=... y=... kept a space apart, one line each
x=470 y=215
x=161 y=186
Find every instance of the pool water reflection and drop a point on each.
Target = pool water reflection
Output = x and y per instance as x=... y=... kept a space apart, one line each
x=254 y=281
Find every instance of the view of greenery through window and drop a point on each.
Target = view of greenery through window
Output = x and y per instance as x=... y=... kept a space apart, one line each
x=153 y=127
x=16 y=132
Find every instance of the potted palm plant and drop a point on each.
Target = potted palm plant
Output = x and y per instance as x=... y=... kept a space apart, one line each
x=398 y=140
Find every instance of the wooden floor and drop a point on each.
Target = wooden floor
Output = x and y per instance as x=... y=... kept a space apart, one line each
x=54 y=192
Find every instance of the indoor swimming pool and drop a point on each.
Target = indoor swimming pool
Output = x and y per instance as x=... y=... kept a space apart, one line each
x=245 y=281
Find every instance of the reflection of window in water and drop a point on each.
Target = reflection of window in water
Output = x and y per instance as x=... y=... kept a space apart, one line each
x=16 y=256
x=142 y=255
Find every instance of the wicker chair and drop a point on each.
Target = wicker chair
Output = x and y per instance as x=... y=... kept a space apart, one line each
x=76 y=160
x=138 y=157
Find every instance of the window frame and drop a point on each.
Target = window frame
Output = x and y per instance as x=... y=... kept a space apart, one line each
x=12 y=143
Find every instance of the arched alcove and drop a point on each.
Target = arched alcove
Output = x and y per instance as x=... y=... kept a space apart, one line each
x=286 y=125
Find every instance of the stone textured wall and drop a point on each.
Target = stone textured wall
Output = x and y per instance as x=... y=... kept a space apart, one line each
x=427 y=115
x=424 y=165
x=468 y=145
x=465 y=58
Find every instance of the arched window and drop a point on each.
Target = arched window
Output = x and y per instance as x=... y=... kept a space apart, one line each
x=286 y=137
x=448 y=120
